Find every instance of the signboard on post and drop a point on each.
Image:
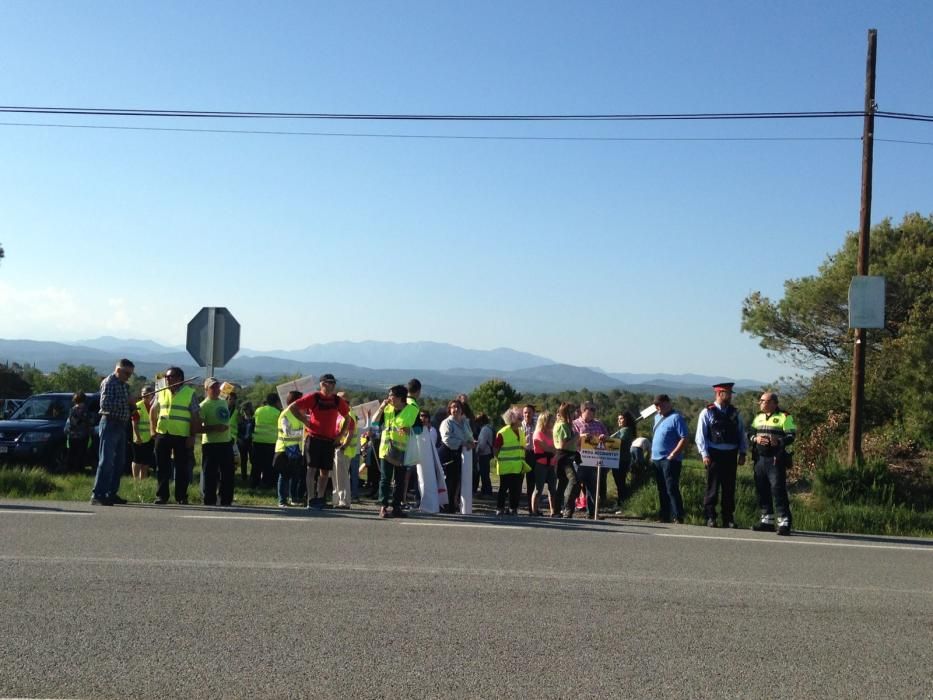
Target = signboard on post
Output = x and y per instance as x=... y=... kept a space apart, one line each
x=593 y=454
x=213 y=337
x=866 y=302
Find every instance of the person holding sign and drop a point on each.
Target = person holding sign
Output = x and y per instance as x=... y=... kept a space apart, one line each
x=588 y=425
x=456 y=436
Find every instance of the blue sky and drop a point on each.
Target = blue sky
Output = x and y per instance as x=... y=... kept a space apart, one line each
x=627 y=255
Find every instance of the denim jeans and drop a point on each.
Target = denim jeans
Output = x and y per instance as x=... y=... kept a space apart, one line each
x=111 y=458
x=667 y=476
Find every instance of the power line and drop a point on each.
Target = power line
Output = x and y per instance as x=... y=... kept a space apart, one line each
x=201 y=114
x=434 y=136
x=905 y=115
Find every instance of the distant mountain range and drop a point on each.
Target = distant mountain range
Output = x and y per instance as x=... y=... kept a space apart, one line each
x=442 y=368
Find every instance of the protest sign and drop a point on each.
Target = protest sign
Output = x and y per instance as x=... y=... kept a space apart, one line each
x=596 y=454
x=305 y=385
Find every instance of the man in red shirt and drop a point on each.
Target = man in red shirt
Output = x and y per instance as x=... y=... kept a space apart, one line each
x=319 y=411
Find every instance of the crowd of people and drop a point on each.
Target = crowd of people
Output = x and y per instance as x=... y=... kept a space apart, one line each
x=312 y=449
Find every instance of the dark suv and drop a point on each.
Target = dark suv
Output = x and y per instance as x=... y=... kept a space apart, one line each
x=36 y=431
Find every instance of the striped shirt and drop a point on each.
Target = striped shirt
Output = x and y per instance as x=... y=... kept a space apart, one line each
x=115 y=398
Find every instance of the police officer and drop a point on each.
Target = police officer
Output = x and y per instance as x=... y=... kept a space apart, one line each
x=774 y=430
x=722 y=443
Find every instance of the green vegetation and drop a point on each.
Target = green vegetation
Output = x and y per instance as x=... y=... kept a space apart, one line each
x=889 y=492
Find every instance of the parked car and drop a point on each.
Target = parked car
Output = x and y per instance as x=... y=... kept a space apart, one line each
x=35 y=433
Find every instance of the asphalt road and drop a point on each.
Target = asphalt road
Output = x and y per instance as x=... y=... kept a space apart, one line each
x=158 y=602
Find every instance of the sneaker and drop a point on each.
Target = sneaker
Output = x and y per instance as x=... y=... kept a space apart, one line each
x=784 y=530
x=567 y=514
x=283 y=505
x=678 y=521
x=763 y=527
x=618 y=512
x=499 y=513
x=101 y=502
x=159 y=502
x=711 y=522
x=116 y=500
x=730 y=525
x=183 y=502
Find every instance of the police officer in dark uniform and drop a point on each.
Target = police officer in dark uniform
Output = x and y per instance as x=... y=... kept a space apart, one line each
x=722 y=443
x=773 y=430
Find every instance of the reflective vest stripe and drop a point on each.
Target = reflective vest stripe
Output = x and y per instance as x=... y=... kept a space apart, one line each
x=143 y=425
x=175 y=412
x=283 y=440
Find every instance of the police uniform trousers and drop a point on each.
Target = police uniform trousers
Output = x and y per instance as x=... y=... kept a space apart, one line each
x=771 y=485
x=720 y=475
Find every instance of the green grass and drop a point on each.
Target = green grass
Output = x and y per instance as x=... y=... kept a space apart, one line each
x=876 y=514
x=36 y=483
x=835 y=504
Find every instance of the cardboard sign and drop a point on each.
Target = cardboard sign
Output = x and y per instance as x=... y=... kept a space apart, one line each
x=596 y=454
x=305 y=385
x=364 y=413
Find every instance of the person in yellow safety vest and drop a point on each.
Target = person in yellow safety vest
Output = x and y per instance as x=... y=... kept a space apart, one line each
x=143 y=454
x=774 y=431
x=289 y=462
x=267 y=421
x=396 y=417
x=174 y=419
x=346 y=448
x=509 y=449
x=234 y=427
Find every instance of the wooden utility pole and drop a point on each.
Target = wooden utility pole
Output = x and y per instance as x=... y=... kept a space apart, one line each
x=864 y=234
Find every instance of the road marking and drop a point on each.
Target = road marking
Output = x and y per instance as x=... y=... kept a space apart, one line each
x=45 y=512
x=454 y=572
x=798 y=541
x=275 y=518
x=482 y=525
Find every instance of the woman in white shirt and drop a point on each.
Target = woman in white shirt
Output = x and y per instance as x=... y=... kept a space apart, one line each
x=456 y=436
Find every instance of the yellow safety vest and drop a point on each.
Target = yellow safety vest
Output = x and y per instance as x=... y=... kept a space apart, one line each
x=777 y=425
x=393 y=425
x=267 y=425
x=353 y=444
x=145 y=434
x=289 y=431
x=175 y=412
x=511 y=459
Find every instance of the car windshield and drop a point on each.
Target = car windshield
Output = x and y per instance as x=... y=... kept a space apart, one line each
x=43 y=407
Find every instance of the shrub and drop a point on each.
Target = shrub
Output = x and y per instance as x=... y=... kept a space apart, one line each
x=22 y=482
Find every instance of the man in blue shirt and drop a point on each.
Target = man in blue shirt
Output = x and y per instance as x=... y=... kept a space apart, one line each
x=722 y=443
x=667 y=454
